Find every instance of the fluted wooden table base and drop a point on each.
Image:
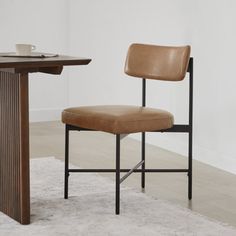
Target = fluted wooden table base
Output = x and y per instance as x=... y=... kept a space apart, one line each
x=14 y=127
x=14 y=146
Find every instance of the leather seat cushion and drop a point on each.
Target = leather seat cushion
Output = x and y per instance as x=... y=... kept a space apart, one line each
x=118 y=119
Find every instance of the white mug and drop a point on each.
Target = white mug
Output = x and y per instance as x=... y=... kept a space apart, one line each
x=24 y=49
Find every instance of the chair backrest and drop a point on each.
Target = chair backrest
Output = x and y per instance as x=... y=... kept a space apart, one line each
x=157 y=62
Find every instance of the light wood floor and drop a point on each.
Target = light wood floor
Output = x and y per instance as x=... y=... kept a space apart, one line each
x=214 y=190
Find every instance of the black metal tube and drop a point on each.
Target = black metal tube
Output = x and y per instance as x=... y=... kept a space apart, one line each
x=127 y=170
x=131 y=171
x=143 y=159
x=190 y=129
x=143 y=136
x=175 y=128
x=66 y=162
x=143 y=92
x=117 y=174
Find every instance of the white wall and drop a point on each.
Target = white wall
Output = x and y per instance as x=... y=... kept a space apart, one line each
x=214 y=37
x=103 y=31
x=44 y=24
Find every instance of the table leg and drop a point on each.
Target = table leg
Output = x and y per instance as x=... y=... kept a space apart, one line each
x=14 y=146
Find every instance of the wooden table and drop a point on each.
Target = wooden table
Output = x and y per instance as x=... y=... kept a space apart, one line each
x=14 y=128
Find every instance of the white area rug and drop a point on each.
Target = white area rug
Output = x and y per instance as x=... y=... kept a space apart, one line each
x=90 y=209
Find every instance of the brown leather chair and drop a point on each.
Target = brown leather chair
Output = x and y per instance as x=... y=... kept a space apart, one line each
x=146 y=62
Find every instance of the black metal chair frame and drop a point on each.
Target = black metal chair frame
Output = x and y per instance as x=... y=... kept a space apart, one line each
x=187 y=128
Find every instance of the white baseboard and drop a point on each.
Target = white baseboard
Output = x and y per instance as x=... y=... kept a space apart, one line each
x=222 y=161
x=219 y=160
x=40 y=115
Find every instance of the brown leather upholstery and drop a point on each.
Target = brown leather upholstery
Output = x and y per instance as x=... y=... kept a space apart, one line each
x=145 y=61
x=118 y=119
x=157 y=62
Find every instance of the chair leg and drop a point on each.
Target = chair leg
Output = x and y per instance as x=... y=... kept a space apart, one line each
x=190 y=166
x=143 y=159
x=66 y=162
x=117 y=174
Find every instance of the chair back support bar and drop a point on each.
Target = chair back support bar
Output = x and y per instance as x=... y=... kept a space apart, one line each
x=190 y=70
x=184 y=128
x=157 y=62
